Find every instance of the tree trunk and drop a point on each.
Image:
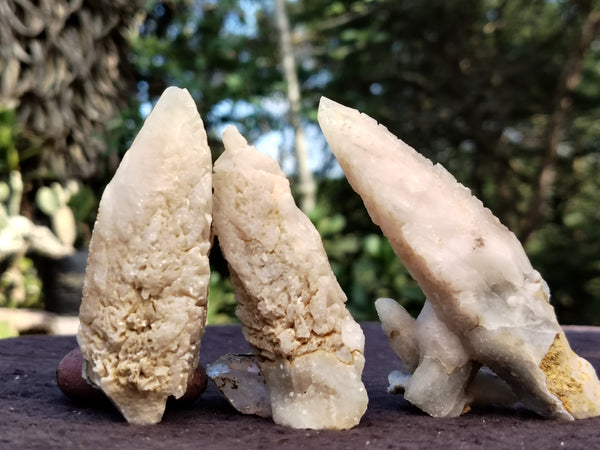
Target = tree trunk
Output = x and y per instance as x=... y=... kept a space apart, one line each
x=306 y=182
x=563 y=98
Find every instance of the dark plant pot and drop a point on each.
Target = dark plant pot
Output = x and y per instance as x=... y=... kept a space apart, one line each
x=63 y=282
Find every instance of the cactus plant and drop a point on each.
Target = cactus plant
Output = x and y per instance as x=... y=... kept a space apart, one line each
x=19 y=236
x=53 y=201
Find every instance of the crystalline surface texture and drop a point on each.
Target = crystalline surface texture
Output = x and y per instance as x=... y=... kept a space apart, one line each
x=144 y=302
x=291 y=307
x=472 y=269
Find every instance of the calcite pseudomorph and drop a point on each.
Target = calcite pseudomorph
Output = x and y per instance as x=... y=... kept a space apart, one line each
x=486 y=305
x=309 y=348
x=144 y=300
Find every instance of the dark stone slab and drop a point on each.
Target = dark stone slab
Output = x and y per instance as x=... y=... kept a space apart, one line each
x=35 y=414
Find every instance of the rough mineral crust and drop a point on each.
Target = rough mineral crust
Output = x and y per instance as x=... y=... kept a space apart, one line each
x=144 y=300
x=474 y=272
x=309 y=348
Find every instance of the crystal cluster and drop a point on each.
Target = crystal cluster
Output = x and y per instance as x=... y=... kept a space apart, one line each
x=486 y=305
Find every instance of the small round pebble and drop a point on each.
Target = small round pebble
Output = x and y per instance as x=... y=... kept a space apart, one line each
x=73 y=385
x=71 y=382
x=196 y=386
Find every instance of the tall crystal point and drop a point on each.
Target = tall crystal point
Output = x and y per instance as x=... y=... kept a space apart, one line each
x=144 y=301
x=474 y=272
x=292 y=309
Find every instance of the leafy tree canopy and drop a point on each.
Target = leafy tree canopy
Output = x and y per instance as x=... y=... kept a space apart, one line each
x=504 y=93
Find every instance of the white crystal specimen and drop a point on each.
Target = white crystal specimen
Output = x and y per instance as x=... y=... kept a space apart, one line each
x=241 y=382
x=444 y=362
x=144 y=301
x=472 y=269
x=292 y=309
x=401 y=330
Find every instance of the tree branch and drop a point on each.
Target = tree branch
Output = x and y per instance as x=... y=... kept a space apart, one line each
x=306 y=183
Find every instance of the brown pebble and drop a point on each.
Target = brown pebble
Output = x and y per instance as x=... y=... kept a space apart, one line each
x=72 y=384
x=196 y=386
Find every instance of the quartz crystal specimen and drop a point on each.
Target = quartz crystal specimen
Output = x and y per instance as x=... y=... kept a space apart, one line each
x=240 y=380
x=309 y=348
x=486 y=305
x=144 y=300
x=444 y=361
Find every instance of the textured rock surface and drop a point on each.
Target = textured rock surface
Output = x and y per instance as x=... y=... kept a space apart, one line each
x=291 y=307
x=472 y=269
x=144 y=302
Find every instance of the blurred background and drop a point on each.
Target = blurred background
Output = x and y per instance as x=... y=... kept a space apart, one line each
x=504 y=93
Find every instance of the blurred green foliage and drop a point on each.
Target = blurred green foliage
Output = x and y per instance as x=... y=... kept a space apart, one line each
x=20 y=285
x=9 y=155
x=221 y=301
x=45 y=225
x=361 y=257
x=566 y=249
x=472 y=84
x=7 y=330
x=223 y=52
